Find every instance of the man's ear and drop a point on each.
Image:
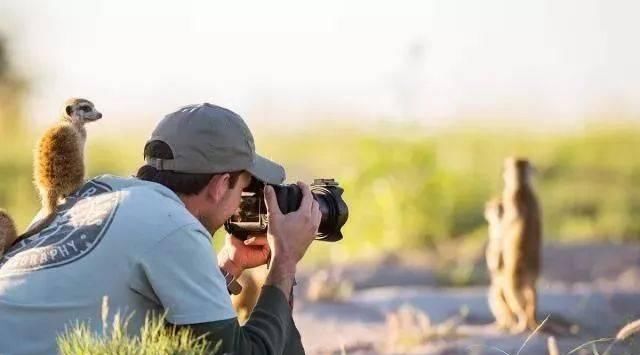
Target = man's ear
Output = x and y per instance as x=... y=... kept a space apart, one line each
x=218 y=186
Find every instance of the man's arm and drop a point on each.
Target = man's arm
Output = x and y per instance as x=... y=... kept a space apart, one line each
x=183 y=275
x=235 y=256
x=269 y=330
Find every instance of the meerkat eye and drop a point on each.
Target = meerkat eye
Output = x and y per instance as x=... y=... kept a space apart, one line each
x=85 y=108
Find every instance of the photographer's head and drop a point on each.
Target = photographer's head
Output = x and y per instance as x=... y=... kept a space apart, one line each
x=206 y=155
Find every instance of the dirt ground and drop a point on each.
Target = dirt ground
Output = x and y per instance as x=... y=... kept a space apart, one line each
x=587 y=292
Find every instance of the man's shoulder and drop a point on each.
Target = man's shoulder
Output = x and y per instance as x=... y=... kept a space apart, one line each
x=151 y=205
x=129 y=182
x=134 y=186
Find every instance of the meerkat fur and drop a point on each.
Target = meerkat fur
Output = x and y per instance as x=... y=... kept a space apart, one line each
x=493 y=214
x=521 y=242
x=252 y=281
x=7 y=231
x=59 y=167
x=497 y=302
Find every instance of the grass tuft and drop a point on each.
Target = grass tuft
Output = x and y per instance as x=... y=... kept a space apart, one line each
x=155 y=338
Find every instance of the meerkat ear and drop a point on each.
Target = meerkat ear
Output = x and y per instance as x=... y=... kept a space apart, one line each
x=68 y=110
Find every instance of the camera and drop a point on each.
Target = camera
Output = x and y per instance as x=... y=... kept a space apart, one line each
x=251 y=216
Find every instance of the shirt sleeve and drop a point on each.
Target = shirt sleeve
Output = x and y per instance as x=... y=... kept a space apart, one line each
x=270 y=329
x=181 y=273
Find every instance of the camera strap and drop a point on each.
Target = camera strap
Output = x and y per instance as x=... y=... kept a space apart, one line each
x=233 y=286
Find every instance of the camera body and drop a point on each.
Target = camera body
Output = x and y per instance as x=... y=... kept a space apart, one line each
x=251 y=216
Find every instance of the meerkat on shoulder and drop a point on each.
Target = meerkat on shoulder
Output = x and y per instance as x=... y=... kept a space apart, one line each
x=59 y=166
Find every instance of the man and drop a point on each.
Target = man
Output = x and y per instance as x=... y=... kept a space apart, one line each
x=145 y=244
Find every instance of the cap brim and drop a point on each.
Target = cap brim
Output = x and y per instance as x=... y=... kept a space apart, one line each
x=267 y=171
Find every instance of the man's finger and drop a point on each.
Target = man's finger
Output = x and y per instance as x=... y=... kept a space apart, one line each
x=271 y=201
x=316 y=215
x=307 y=198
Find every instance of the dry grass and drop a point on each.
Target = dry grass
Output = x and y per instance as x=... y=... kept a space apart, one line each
x=553 y=346
x=624 y=334
x=409 y=327
x=628 y=330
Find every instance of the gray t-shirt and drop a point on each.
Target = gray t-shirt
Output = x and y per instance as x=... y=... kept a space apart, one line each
x=129 y=240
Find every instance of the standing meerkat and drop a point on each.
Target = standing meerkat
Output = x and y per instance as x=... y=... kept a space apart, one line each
x=521 y=241
x=497 y=303
x=7 y=231
x=59 y=159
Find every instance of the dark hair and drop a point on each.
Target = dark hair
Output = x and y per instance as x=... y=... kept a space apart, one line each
x=180 y=183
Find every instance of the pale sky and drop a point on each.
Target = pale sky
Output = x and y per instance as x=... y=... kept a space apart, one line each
x=302 y=60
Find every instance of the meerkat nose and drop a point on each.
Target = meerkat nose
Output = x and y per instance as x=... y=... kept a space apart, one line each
x=99 y=115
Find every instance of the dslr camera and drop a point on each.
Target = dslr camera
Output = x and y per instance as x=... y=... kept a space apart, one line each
x=251 y=216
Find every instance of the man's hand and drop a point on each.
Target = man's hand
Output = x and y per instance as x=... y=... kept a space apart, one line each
x=237 y=255
x=289 y=236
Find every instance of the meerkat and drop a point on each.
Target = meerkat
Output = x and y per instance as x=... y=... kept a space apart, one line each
x=497 y=302
x=7 y=231
x=59 y=167
x=243 y=303
x=521 y=230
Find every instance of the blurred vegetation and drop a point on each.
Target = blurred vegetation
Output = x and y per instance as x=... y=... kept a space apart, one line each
x=407 y=189
x=12 y=92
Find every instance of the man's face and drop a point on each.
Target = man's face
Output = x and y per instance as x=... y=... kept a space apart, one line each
x=229 y=202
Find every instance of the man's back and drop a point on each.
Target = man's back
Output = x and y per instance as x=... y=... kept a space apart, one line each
x=110 y=239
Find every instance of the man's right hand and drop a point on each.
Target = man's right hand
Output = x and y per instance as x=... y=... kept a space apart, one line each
x=289 y=236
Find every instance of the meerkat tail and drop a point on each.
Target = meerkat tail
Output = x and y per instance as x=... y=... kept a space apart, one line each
x=38 y=227
x=8 y=231
x=50 y=206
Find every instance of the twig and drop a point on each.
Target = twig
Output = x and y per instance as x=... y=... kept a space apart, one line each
x=532 y=334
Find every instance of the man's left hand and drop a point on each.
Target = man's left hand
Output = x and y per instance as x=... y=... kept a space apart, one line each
x=237 y=255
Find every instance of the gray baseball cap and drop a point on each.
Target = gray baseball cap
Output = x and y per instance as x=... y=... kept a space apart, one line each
x=210 y=139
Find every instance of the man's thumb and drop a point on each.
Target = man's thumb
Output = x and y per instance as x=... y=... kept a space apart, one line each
x=272 y=201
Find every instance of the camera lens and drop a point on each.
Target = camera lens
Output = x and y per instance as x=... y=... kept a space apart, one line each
x=251 y=216
x=328 y=194
x=334 y=209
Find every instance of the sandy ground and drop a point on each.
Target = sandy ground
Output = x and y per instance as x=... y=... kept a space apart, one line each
x=588 y=292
